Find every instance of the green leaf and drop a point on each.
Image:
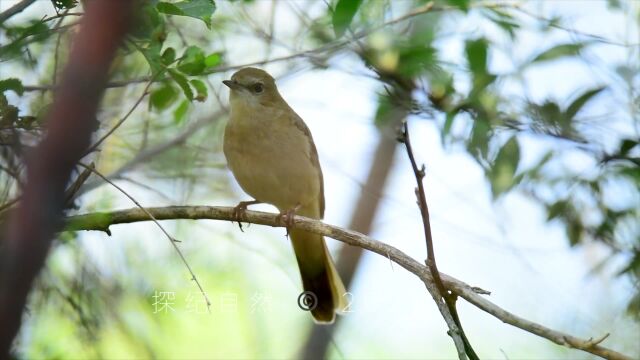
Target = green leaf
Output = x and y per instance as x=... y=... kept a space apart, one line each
x=12 y=84
x=182 y=81
x=149 y=24
x=383 y=111
x=478 y=145
x=64 y=4
x=152 y=54
x=504 y=167
x=461 y=4
x=574 y=232
x=180 y=112
x=448 y=123
x=560 y=51
x=504 y=20
x=21 y=37
x=168 y=56
x=557 y=210
x=343 y=15
x=477 y=55
x=579 y=102
x=625 y=146
x=415 y=60
x=201 y=90
x=198 y=9
x=163 y=97
x=192 y=62
x=213 y=60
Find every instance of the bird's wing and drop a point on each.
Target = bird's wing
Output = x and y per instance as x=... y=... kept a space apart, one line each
x=315 y=161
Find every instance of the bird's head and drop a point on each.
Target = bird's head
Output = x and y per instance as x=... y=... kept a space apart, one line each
x=253 y=88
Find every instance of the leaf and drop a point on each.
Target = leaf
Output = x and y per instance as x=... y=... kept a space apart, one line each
x=414 y=60
x=197 y=9
x=152 y=54
x=163 y=97
x=201 y=90
x=574 y=232
x=213 y=60
x=64 y=4
x=168 y=56
x=180 y=112
x=504 y=167
x=192 y=62
x=560 y=51
x=12 y=84
x=478 y=145
x=625 y=146
x=383 y=112
x=579 y=102
x=343 y=15
x=504 y=20
x=461 y=4
x=181 y=80
x=557 y=209
x=477 y=55
x=21 y=37
x=448 y=123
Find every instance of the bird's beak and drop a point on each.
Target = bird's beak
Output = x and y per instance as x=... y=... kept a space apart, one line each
x=233 y=85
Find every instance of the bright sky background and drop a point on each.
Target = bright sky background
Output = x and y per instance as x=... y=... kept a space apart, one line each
x=505 y=247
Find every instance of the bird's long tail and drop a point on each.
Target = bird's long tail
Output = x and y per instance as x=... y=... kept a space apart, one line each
x=319 y=275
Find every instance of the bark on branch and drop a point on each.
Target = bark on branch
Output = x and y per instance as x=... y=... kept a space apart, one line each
x=104 y=220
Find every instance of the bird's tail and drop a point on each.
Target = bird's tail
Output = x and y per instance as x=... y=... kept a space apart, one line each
x=319 y=275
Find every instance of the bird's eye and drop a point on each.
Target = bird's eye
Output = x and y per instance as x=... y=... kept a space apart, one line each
x=258 y=88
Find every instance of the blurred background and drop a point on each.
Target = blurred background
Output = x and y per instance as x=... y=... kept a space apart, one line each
x=526 y=115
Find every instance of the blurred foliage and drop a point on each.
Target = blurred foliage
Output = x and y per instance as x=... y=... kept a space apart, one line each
x=176 y=44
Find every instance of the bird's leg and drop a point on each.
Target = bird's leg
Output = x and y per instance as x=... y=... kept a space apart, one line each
x=240 y=209
x=286 y=217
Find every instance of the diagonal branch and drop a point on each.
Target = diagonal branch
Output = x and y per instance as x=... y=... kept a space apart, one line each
x=15 y=9
x=438 y=292
x=103 y=220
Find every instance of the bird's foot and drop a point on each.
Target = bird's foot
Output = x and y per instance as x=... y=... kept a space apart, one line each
x=286 y=217
x=240 y=209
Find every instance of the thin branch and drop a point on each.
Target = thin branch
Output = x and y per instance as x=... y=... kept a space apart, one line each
x=172 y=240
x=121 y=121
x=152 y=151
x=15 y=9
x=449 y=309
x=331 y=46
x=102 y=221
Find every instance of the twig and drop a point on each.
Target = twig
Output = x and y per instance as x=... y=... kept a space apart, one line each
x=77 y=184
x=426 y=8
x=456 y=332
x=15 y=9
x=172 y=240
x=121 y=121
x=102 y=222
x=149 y=153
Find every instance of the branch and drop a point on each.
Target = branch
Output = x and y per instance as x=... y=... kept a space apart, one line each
x=31 y=225
x=104 y=220
x=15 y=9
x=439 y=293
x=334 y=45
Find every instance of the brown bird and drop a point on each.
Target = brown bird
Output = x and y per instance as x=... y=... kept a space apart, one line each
x=271 y=153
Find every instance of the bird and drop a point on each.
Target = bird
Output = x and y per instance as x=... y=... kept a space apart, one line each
x=272 y=155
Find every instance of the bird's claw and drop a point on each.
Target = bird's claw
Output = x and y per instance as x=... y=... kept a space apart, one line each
x=240 y=210
x=286 y=218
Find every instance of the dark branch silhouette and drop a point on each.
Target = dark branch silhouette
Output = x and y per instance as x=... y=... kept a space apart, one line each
x=70 y=123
